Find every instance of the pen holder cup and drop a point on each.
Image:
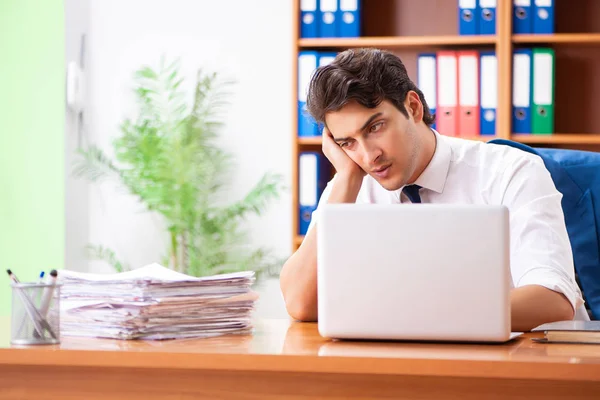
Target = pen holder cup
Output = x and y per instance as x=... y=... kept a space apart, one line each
x=35 y=314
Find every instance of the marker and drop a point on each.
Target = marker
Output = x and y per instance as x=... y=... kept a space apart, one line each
x=42 y=276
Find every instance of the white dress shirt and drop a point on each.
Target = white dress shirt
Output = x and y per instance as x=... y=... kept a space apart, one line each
x=473 y=172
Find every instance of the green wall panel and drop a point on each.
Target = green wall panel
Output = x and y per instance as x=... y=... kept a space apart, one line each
x=31 y=139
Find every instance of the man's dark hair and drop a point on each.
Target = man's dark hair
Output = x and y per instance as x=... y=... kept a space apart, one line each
x=367 y=76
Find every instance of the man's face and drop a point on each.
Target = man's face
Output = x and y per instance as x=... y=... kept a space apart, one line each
x=381 y=140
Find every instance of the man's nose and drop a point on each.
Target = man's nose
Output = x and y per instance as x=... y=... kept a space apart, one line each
x=372 y=154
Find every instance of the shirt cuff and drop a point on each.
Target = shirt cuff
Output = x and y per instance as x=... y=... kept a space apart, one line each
x=550 y=279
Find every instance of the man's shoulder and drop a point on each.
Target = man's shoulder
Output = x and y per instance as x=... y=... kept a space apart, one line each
x=500 y=172
x=490 y=156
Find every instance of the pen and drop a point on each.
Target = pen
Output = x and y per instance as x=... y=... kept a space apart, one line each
x=29 y=307
x=12 y=276
x=41 y=280
x=48 y=291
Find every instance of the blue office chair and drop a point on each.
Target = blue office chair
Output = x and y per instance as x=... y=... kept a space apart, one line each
x=576 y=174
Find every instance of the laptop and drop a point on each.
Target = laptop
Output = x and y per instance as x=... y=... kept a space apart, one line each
x=415 y=272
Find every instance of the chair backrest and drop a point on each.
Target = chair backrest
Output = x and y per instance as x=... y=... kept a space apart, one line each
x=576 y=174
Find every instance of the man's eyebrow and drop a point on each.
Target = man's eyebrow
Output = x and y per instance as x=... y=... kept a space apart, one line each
x=374 y=116
x=370 y=120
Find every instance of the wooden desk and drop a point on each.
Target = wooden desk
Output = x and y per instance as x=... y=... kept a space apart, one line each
x=286 y=360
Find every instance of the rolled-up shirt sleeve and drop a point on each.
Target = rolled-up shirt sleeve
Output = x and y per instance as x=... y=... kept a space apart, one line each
x=541 y=252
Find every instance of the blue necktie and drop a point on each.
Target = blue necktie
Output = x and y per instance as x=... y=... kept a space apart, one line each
x=412 y=192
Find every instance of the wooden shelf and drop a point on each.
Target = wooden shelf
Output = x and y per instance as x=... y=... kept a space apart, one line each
x=571 y=38
x=559 y=138
x=397 y=41
x=298 y=239
x=310 y=141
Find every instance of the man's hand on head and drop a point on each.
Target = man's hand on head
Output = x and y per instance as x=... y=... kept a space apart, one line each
x=342 y=163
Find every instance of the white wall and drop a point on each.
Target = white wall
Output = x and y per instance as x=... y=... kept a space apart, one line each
x=248 y=41
x=77 y=229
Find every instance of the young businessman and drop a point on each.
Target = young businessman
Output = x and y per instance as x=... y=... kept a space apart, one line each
x=379 y=139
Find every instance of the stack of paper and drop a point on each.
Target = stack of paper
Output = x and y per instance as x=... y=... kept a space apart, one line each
x=155 y=302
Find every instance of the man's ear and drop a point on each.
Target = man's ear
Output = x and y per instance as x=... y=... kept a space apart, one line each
x=414 y=106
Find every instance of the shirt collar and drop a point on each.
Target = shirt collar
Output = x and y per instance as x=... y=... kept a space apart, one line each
x=434 y=175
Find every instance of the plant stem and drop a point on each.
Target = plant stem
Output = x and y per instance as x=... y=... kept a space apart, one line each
x=174 y=260
x=184 y=258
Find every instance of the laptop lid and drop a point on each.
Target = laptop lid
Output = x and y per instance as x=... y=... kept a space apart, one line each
x=414 y=272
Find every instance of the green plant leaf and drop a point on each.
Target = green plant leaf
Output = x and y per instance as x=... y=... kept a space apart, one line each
x=101 y=253
x=257 y=200
x=95 y=166
x=169 y=158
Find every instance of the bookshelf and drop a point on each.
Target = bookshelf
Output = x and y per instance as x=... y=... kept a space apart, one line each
x=409 y=27
x=569 y=38
x=391 y=42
